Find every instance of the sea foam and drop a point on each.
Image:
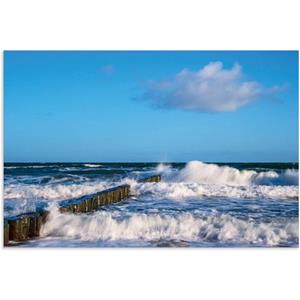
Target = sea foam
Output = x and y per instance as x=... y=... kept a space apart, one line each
x=21 y=198
x=105 y=225
x=92 y=165
x=184 y=190
x=199 y=172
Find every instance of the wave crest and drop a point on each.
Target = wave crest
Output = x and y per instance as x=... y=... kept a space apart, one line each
x=185 y=226
x=184 y=190
x=199 y=172
x=53 y=192
x=92 y=165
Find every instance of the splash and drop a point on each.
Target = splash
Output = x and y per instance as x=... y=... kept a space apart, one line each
x=185 y=190
x=21 y=198
x=163 y=168
x=54 y=192
x=199 y=172
x=104 y=225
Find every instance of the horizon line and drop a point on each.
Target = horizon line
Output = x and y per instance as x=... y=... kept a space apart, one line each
x=137 y=162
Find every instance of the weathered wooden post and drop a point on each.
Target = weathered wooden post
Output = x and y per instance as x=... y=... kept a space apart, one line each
x=27 y=226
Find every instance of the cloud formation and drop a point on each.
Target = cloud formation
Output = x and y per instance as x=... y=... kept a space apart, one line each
x=210 y=89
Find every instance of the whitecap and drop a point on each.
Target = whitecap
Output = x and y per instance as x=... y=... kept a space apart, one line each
x=184 y=190
x=105 y=225
x=92 y=165
x=199 y=172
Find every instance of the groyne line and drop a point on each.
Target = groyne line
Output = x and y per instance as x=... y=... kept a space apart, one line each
x=27 y=226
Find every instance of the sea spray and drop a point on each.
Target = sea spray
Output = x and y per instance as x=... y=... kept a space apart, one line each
x=195 y=204
x=199 y=172
x=105 y=225
x=185 y=190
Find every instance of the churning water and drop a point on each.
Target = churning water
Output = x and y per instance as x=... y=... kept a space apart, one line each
x=196 y=204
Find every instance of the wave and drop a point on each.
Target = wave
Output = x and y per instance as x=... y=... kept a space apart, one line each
x=184 y=190
x=104 y=225
x=14 y=208
x=22 y=198
x=196 y=180
x=92 y=165
x=25 y=167
x=59 y=167
x=64 y=169
x=54 y=192
x=199 y=172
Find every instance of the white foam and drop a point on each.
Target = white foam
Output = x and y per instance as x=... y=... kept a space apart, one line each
x=184 y=190
x=92 y=165
x=199 y=172
x=53 y=192
x=68 y=169
x=163 y=168
x=22 y=198
x=18 y=207
x=105 y=225
x=195 y=180
x=24 y=167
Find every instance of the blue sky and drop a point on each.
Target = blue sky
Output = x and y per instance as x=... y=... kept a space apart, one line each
x=231 y=106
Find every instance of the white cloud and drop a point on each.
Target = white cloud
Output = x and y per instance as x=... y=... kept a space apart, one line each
x=210 y=89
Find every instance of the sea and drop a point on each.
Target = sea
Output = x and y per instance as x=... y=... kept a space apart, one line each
x=196 y=204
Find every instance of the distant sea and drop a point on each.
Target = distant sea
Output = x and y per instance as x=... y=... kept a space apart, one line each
x=195 y=205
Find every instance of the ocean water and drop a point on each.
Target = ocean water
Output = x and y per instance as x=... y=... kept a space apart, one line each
x=195 y=205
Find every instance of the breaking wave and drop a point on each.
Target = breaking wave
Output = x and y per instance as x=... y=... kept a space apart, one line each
x=183 y=190
x=54 y=192
x=104 y=225
x=92 y=165
x=22 y=198
x=199 y=172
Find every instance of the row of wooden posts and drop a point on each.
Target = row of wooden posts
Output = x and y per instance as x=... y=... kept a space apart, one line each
x=27 y=226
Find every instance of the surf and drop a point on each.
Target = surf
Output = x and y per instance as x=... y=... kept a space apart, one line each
x=199 y=172
x=106 y=225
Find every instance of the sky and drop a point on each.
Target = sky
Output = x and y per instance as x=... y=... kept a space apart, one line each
x=163 y=106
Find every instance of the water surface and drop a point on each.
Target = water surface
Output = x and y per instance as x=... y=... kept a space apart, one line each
x=195 y=204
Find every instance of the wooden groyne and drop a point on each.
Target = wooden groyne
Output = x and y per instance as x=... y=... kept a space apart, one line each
x=24 y=227
x=27 y=226
x=154 y=178
x=95 y=201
